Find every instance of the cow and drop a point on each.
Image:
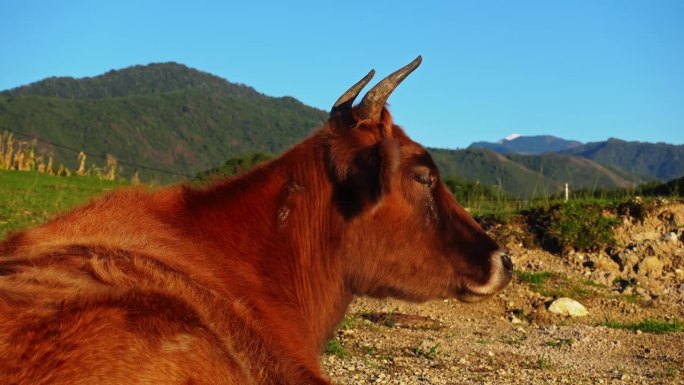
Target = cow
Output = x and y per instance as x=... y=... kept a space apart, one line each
x=241 y=281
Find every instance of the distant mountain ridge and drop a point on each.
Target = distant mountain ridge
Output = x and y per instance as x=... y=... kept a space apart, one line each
x=173 y=117
x=649 y=161
x=528 y=145
x=151 y=79
x=642 y=160
x=526 y=176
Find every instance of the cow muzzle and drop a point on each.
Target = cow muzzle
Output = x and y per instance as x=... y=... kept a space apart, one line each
x=500 y=274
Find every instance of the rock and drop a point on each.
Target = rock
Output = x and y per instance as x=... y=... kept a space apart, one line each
x=569 y=307
x=671 y=237
x=651 y=267
x=607 y=265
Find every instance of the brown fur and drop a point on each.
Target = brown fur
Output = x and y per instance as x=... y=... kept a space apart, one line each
x=241 y=282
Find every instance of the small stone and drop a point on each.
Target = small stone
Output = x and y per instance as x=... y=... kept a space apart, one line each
x=515 y=320
x=490 y=353
x=639 y=332
x=569 y=307
x=671 y=237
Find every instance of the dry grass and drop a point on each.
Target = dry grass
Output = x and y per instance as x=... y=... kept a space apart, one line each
x=21 y=155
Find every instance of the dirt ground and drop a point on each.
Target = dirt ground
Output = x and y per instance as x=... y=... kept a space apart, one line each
x=512 y=338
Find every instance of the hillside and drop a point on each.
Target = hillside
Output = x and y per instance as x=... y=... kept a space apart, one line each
x=165 y=116
x=577 y=171
x=529 y=175
x=635 y=160
x=170 y=117
x=140 y=79
x=528 y=145
x=647 y=160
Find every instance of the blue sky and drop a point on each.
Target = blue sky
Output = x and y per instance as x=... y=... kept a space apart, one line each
x=584 y=70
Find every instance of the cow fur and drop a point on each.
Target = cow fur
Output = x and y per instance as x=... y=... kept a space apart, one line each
x=240 y=282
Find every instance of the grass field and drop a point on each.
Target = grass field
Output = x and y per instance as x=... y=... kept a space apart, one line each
x=29 y=198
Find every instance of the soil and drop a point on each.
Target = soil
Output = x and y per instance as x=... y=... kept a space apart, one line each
x=512 y=338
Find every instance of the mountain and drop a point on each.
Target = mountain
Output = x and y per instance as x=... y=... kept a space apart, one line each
x=649 y=161
x=519 y=144
x=135 y=80
x=526 y=176
x=171 y=117
x=164 y=116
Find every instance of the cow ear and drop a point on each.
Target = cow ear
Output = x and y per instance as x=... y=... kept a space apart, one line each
x=365 y=177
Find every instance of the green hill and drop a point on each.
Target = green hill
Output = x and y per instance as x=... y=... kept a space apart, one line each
x=136 y=80
x=648 y=161
x=528 y=175
x=165 y=116
x=170 y=117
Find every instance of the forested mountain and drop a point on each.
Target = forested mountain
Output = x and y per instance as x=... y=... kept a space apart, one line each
x=650 y=161
x=528 y=145
x=639 y=160
x=165 y=116
x=529 y=175
x=170 y=117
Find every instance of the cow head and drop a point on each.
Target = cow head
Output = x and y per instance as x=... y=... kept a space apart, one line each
x=404 y=234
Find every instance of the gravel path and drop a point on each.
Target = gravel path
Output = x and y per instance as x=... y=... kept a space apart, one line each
x=513 y=339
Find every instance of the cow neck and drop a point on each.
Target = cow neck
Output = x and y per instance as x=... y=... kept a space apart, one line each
x=278 y=231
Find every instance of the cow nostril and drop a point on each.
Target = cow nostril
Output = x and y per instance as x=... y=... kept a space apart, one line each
x=507 y=263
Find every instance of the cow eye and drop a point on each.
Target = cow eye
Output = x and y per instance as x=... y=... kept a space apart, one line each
x=424 y=178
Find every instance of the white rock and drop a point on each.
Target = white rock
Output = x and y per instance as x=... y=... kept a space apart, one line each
x=671 y=237
x=569 y=307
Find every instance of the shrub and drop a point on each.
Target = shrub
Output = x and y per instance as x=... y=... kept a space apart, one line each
x=573 y=225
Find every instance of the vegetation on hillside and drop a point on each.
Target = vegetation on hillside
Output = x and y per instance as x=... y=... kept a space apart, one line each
x=537 y=144
x=236 y=165
x=136 y=80
x=646 y=160
x=162 y=116
x=528 y=176
x=169 y=122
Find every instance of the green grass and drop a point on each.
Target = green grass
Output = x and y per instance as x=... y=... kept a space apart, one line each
x=29 y=198
x=648 y=326
x=557 y=285
x=543 y=363
x=560 y=343
x=335 y=348
x=578 y=224
x=427 y=352
x=533 y=278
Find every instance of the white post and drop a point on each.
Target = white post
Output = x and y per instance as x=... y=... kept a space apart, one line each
x=567 y=192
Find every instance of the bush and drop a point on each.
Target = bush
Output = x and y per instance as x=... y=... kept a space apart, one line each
x=573 y=225
x=234 y=166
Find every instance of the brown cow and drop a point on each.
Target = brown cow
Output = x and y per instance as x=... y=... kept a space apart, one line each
x=244 y=281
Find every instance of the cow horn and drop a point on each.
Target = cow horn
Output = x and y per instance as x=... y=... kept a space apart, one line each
x=372 y=104
x=344 y=103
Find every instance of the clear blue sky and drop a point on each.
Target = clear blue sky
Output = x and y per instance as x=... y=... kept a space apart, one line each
x=584 y=70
